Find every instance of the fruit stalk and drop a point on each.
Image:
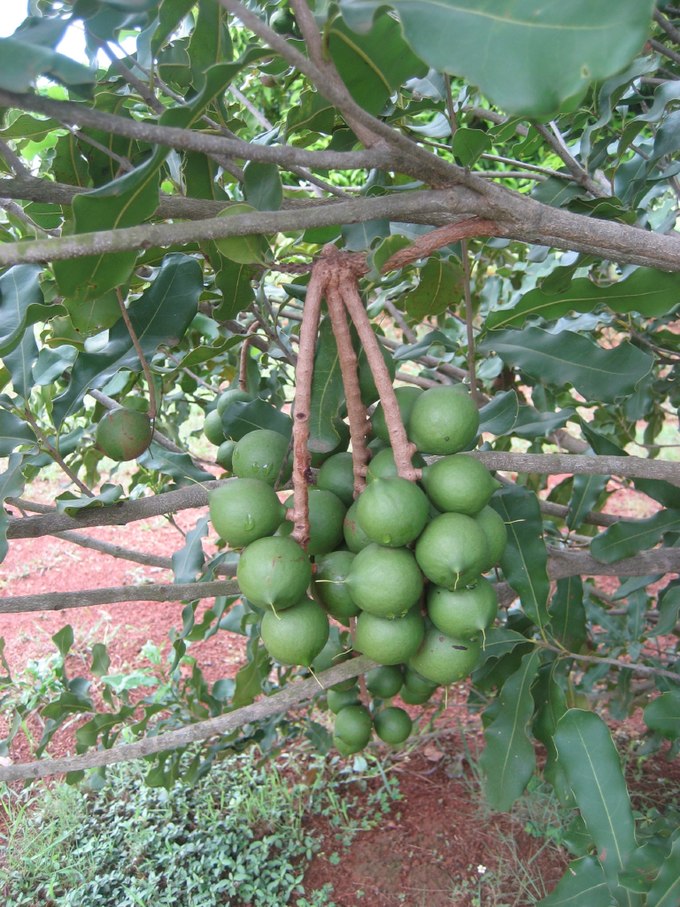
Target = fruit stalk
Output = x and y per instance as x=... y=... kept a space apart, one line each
x=403 y=450
x=303 y=400
x=142 y=358
x=356 y=410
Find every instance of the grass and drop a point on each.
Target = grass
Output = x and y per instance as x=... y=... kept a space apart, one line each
x=238 y=835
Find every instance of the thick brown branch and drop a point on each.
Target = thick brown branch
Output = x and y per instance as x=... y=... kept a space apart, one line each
x=574 y=464
x=425 y=245
x=296 y=693
x=563 y=563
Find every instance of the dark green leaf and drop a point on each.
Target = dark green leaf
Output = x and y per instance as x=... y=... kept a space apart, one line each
x=22 y=62
x=439 y=288
x=372 y=65
x=210 y=40
x=188 y=561
x=178 y=466
x=328 y=392
x=362 y=236
x=568 y=614
x=508 y=759
x=63 y=640
x=665 y=890
x=583 y=883
x=646 y=291
x=592 y=766
x=234 y=281
x=100 y=659
x=160 y=316
x=13 y=433
x=72 y=505
x=20 y=364
x=11 y=485
x=568 y=358
x=586 y=492
x=669 y=611
x=262 y=186
x=663 y=714
x=240 y=418
x=626 y=537
x=525 y=559
x=127 y=201
x=498 y=416
x=528 y=58
x=469 y=144
x=250 y=676
x=21 y=305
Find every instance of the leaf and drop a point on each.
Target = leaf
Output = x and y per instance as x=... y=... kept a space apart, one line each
x=262 y=186
x=21 y=305
x=568 y=614
x=240 y=417
x=468 y=144
x=586 y=492
x=328 y=392
x=498 y=641
x=13 y=433
x=20 y=364
x=646 y=291
x=665 y=890
x=373 y=64
x=663 y=714
x=626 y=537
x=498 y=416
x=583 y=883
x=249 y=678
x=72 y=505
x=179 y=466
x=159 y=317
x=100 y=659
x=593 y=769
x=438 y=289
x=188 y=561
x=234 y=281
x=508 y=760
x=21 y=62
x=125 y=202
x=669 y=610
x=524 y=561
x=11 y=485
x=558 y=359
x=529 y=58
x=210 y=40
x=63 y=640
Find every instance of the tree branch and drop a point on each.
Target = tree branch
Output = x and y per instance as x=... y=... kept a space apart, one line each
x=574 y=464
x=562 y=563
x=292 y=695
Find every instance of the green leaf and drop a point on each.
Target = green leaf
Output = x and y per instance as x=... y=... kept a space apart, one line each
x=374 y=64
x=439 y=288
x=13 y=433
x=210 y=40
x=11 y=485
x=665 y=890
x=188 y=561
x=583 y=883
x=586 y=492
x=568 y=614
x=179 y=466
x=498 y=416
x=529 y=58
x=568 y=358
x=593 y=769
x=262 y=186
x=250 y=676
x=525 y=559
x=63 y=640
x=234 y=281
x=626 y=537
x=663 y=714
x=100 y=659
x=669 y=611
x=646 y=291
x=328 y=393
x=468 y=144
x=240 y=418
x=21 y=62
x=72 y=505
x=21 y=305
x=125 y=202
x=508 y=759
x=159 y=317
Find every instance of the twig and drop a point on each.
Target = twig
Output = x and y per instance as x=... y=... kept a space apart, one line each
x=140 y=354
x=469 y=327
x=294 y=694
x=357 y=415
x=244 y=355
x=667 y=26
x=635 y=667
x=554 y=138
x=54 y=453
x=425 y=245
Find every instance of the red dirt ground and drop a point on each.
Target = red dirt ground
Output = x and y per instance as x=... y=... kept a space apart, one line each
x=438 y=846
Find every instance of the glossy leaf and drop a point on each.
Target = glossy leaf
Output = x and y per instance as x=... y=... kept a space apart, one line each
x=249 y=678
x=21 y=63
x=328 y=393
x=125 y=202
x=20 y=364
x=665 y=890
x=626 y=537
x=374 y=63
x=468 y=144
x=669 y=611
x=11 y=486
x=589 y=759
x=583 y=883
x=72 y=505
x=508 y=758
x=525 y=559
x=586 y=492
x=240 y=418
x=262 y=186
x=528 y=58
x=160 y=316
x=14 y=432
x=439 y=288
x=21 y=304
x=663 y=714
x=498 y=416
x=570 y=358
x=646 y=291
x=210 y=40
x=188 y=561
x=234 y=281
x=568 y=614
